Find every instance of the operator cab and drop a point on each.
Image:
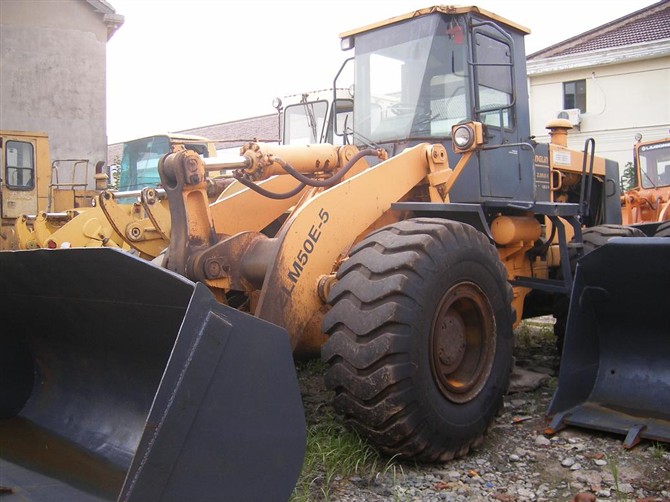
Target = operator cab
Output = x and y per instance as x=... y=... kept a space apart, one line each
x=452 y=65
x=653 y=160
x=139 y=161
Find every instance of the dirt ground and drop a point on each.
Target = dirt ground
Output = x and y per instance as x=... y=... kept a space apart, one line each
x=517 y=461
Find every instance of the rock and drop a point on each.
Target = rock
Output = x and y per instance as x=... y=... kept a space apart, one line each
x=568 y=462
x=526 y=381
x=575 y=467
x=600 y=462
x=592 y=479
x=626 y=488
x=526 y=493
x=514 y=457
x=453 y=475
x=503 y=497
x=542 y=441
x=584 y=497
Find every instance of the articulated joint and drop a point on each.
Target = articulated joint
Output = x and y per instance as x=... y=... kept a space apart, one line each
x=184 y=167
x=237 y=262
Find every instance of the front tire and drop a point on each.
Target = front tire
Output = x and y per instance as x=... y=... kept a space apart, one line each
x=420 y=338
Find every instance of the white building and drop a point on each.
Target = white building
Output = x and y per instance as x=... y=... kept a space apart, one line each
x=612 y=82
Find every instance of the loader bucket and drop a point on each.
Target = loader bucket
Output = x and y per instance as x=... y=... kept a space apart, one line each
x=615 y=367
x=121 y=380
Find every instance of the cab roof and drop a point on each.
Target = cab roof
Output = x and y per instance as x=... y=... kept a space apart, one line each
x=443 y=9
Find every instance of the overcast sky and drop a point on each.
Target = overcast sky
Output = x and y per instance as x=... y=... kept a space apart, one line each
x=176 y=64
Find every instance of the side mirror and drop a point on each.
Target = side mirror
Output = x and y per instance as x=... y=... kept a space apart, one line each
x=344 y=115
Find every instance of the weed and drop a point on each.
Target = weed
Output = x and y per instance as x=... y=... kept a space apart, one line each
x=535 y=331
x=614 y=467
x=524 y=336
x=334 y=453
x=657 y=450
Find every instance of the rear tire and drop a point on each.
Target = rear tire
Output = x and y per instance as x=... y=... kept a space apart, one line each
x=420 y=347
x=593 y=238
x=663 y=230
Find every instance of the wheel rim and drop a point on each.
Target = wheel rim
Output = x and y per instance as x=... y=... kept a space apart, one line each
x=462 y=342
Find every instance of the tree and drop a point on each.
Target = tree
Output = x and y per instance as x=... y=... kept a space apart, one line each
x=628 y=179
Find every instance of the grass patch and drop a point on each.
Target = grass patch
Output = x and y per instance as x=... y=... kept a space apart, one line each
x=657 y=450
x=535 y=332
x=334 y=452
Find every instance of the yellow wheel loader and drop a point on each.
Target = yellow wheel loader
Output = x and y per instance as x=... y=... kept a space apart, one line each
x=131 y=213
x=404 y=256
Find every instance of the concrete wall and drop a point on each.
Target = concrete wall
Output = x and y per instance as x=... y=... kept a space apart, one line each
x=632 y=96
x=52 y=78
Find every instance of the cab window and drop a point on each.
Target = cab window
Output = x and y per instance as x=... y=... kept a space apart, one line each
x=20 y=165
x=494 y=81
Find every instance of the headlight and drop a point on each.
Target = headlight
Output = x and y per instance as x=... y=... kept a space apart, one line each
x=463 y=137
x=347 y=43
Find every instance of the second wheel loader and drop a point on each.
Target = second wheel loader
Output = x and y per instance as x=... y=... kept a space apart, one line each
x=404 y=256
x=649 y=198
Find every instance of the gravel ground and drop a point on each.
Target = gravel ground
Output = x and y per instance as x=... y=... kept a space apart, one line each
x=517 y=462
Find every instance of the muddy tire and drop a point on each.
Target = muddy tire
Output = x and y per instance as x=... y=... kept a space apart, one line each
x=595 y=237
x=663 y=230
x=420 y=338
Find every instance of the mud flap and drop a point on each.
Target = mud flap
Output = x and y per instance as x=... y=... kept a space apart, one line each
x=121 y=380
x=615 y=367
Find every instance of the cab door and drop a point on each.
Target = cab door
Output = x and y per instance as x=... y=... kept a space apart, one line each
x=17 y=179
x=495 y=107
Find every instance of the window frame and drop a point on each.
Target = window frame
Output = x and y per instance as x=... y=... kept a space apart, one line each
x=578 y=98
x=498 y=116
x=7 y=174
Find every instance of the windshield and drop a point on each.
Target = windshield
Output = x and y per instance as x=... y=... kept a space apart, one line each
x=411 y=82
x=304 y=123
x=139 y=164
x=655 y=164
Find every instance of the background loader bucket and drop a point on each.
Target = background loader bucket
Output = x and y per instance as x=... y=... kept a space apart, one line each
x=615 y=367
x=122 y=380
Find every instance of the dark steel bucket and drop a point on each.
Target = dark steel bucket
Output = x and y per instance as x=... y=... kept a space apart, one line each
x=615 y=367
x=121 y=380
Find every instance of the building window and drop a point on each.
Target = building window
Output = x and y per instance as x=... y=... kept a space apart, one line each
x=574 y=95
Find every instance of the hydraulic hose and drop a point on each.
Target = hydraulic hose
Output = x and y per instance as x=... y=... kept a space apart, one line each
x=304 y=180
x=333 y=180
x=266 y=193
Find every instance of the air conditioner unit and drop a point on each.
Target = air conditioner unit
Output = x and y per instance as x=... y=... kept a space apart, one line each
x=572 y=114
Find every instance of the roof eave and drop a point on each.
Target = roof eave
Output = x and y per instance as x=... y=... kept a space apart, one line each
x=600 y=57
x=112 y=20
x=587 y=35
